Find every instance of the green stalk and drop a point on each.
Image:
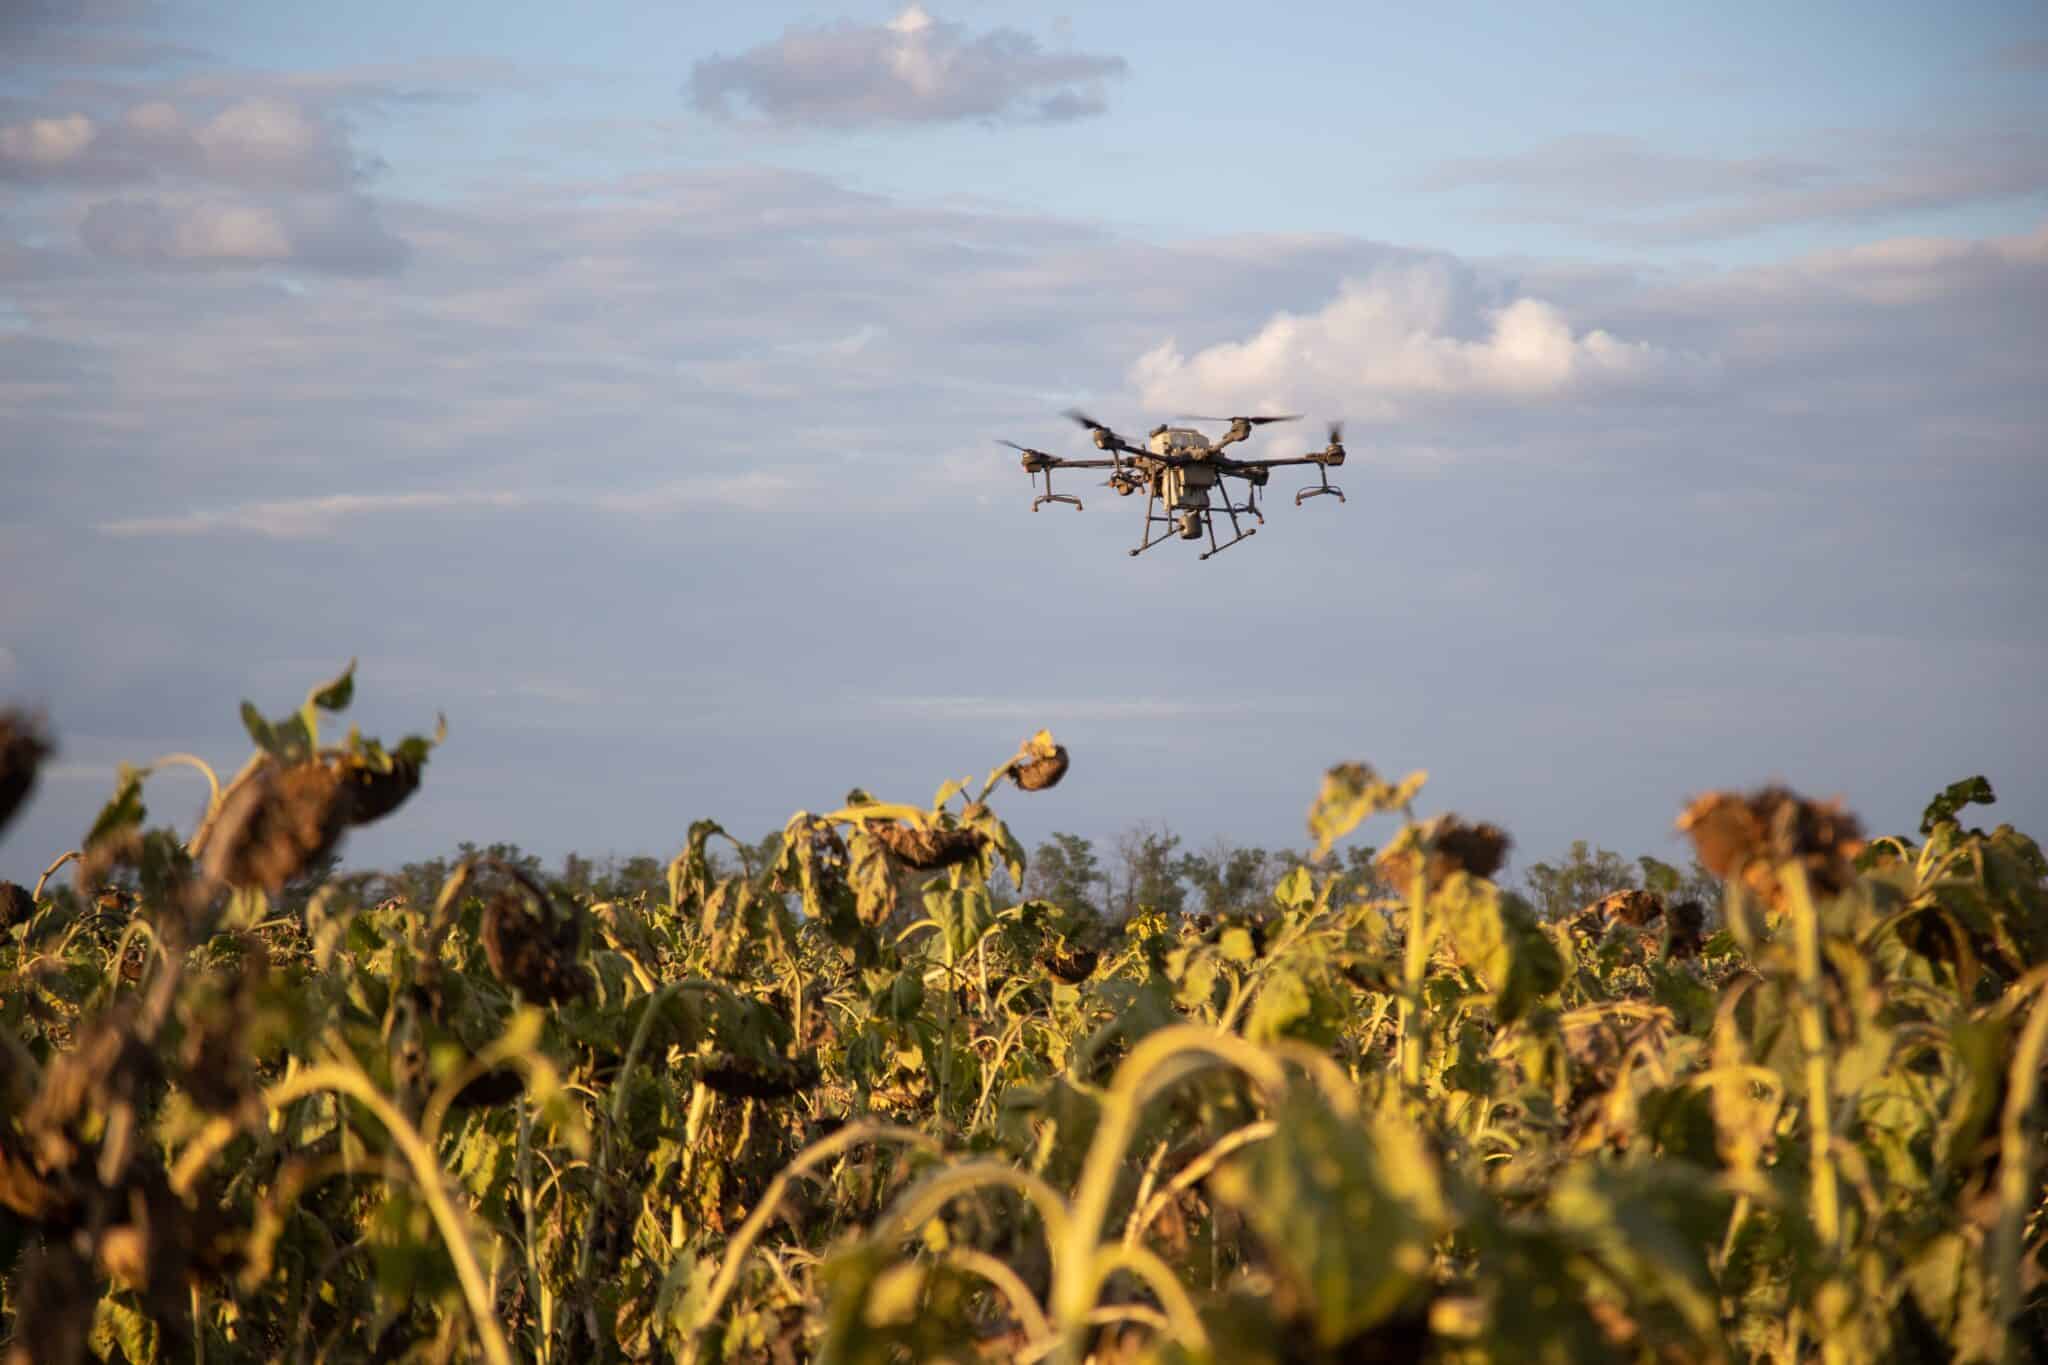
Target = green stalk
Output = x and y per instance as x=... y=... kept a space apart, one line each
x=1156 y=1062
x=348 y=1079
x=742 y=1244
x=1813 y=1042
x=536 y=1286
x=2015 y=1168
x=1415 y=966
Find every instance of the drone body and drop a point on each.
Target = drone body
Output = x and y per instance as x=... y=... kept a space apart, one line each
x=1183 y=476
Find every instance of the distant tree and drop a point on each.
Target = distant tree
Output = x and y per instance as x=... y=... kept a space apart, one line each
x=1230 y=878
x=421 y=882
x=1147 y=874
x=1694 y=883
x=1583 y=876
x=638 y=876
x=578 y=877
x=1065 y=871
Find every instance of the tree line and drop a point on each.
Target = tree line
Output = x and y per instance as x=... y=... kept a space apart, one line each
x=1144 y=867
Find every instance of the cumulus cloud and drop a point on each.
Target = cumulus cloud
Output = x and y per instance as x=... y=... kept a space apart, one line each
x=256 y=142
x=253 y=180
x=1404 y=332
x=340 y=233
x=46 y=144
x=912 y=69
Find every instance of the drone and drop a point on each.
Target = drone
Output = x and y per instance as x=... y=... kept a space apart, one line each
x=1182 y=474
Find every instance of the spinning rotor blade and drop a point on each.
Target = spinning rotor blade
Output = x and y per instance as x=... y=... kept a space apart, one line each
x=1026 y=449
x=1336 y=433
x=1105 y=438
x=1248 y=421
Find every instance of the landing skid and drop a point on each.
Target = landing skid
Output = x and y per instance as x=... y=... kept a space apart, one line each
x=1049 y=496
x=1327 y=489
x=1238 y=531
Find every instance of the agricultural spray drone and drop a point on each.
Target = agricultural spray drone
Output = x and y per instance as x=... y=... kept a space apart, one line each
x=1182 y=474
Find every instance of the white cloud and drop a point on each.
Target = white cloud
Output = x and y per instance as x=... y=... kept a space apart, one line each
x=45 y=144
x=1402 y=332
x=912 y=69
x=260 y=141
x=330 y=232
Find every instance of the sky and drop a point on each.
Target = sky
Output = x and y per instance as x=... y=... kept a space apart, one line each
x=623 y=381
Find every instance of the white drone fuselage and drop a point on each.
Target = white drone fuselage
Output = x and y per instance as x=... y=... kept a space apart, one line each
x=1183 y=488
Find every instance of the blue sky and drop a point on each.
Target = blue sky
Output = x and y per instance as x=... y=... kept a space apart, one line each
x=622 y=381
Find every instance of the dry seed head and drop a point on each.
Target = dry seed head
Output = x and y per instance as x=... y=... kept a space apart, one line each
x=107 y=1060
x=927 y=848
x=22 y=750
x=373 y=794
x=1456 y=846
x=749 y=1078
x=1038 y=774
x=1629 y=907
x=1070 y=965
x=1749 y=837
x=16 y=905
x=276 y=822
x=1685 y=929
x=530 y=955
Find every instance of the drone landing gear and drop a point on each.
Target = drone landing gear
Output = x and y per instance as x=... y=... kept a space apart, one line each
x=1327 y=487
x=1049 y=496
x=1154 y=517
x=1238 y=532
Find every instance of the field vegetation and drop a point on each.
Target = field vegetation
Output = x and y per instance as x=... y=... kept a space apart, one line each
x=880 y=1088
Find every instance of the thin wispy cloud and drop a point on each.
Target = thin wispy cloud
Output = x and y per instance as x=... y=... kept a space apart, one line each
x=1052 y=710
x=1629 y=189
x=913 y=69
x=325 y=517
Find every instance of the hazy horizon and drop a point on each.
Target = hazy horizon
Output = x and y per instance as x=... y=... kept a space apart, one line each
x=626 y=385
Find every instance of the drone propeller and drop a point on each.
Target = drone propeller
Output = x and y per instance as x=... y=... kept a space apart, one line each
x=1336 y=433
x=1026 y=449
x=1105 y=439
x=1248 y=421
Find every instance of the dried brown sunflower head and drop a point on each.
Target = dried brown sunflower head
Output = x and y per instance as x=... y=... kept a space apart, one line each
x=107 y=1062
x=535 y=955
x=1685 y=929
x=1750 y=837
x=926 y=847
x=375 y=792
x=1040 y=763
x=276 y=822
x=1069 y=964
x=1455 y=845
x=17 y=906
x=753 y=1078
x=1628 y=907
x=23 y=748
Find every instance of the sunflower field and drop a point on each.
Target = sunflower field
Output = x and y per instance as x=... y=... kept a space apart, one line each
x=842 y=1097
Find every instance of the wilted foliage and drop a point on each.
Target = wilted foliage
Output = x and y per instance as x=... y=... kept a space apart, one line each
x=22 y=751
x=832 y=1097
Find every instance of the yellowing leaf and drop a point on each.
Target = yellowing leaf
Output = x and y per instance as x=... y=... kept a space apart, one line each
x=1351 y=793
